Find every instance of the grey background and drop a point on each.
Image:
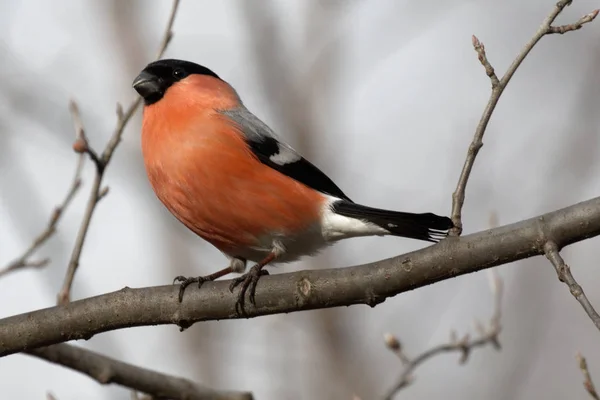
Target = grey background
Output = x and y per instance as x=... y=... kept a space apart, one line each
x=382 y=95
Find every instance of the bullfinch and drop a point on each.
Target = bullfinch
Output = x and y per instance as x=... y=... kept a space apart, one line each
x=226 y=176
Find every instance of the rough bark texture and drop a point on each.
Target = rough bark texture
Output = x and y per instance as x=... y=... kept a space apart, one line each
x=304 y=290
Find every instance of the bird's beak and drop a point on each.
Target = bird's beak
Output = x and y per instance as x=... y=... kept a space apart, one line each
x=146 y=84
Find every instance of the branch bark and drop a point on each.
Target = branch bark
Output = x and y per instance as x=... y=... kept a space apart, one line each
x=304 y=290
x=106 y=370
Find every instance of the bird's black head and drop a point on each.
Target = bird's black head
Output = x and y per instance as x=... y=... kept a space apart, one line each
x=157 y=77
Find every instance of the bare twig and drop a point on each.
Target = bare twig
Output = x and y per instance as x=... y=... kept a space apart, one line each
x=488 y=336
x=81 y=142
x=575 y=26
x=498 y=86
x=106 y=370
x=101 y=162
x=588 y=384
x=367 y=284
x=551 y=251
x=24 y=260
x=489 y=70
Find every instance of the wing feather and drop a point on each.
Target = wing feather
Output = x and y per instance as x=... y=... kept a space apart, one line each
x=280 y=156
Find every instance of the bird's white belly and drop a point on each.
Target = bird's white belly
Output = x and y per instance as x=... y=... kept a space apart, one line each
x=288 y=248
x=330 y=228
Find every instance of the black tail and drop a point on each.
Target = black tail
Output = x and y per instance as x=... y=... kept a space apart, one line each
x=428 y=226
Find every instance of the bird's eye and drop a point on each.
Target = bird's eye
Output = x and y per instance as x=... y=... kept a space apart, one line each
x=179 y=73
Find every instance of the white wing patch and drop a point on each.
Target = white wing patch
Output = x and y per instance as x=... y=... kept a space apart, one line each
x=285 y=155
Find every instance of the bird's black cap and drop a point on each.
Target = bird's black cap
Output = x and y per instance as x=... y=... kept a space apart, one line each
x=158 y=76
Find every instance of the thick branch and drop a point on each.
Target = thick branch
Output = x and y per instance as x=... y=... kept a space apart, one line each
x=564 y=275
x=498 y=86
x=304 y=290
x=106 y=370
x=101 y=162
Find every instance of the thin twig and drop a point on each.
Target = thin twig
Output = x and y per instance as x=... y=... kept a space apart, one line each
x=488 y=336
x=80 y=145
x=575 y=26
x=498 y=86
x=101 y=162
x=588 y=384
x=106 y=370
x=24 y=260
x=489 y=70
x=551 y=251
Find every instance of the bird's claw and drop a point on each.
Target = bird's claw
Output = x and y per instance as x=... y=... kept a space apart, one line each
x=248 y=280
x=185 y=282
x=179 y=278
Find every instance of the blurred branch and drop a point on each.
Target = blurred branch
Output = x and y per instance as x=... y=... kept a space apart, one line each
x=106 y=370
x=303 y=290
x=551 y=250
x=80 y=145
x=101 y=162
x=498 y=86
x=587 y=383
x=24 y=260
x=465 y=345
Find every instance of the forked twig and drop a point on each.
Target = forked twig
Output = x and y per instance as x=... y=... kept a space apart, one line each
x=101 y=162
x=498 y=86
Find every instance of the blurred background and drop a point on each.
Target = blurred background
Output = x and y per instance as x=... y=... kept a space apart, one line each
x=384 y=96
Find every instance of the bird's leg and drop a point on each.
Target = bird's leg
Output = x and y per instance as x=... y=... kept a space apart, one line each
x=249 y=280
x=185 y=282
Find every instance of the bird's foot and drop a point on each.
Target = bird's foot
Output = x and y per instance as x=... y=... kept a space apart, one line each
x=185 y=282
x=248 y=280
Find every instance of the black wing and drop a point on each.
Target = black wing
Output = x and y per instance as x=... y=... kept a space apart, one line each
x=280 y=156
x=284 y=159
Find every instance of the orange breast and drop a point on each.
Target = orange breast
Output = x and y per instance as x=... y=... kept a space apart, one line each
x=204 y=173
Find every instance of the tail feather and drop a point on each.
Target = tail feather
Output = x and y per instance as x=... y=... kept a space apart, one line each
x=427 y=226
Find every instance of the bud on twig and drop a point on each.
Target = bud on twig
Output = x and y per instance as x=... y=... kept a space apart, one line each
x=391 y=342
x=80 y=145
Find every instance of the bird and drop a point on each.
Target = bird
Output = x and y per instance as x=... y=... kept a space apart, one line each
x=224 y=174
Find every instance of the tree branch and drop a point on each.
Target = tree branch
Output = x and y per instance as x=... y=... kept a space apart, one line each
x=488 y=336
x=575 y=26
x=551 y=251
x=588 y=384
x=24 y=260
x=106 y=370
x=101 y=163
x=303 y=290
x=498 y=86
